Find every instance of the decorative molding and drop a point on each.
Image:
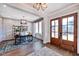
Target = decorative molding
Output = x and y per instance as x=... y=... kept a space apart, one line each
x=22 y=10
x=71 y=7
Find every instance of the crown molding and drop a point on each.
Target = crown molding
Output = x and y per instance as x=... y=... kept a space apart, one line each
x=26 y=11
x=71 y=7
x=13 y=19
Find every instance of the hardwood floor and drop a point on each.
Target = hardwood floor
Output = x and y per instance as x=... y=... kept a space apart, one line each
x=38 y=44
x=59 y=50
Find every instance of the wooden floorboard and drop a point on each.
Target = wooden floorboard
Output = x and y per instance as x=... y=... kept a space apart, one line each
x=60 y=50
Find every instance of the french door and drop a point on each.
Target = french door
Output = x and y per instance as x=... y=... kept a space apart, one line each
x=55 y=32
x=64 y=32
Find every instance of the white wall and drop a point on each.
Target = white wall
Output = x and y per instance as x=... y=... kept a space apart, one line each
x=66 y=11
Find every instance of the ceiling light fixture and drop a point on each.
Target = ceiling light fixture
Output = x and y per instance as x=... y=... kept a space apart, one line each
x=39 y=6
x=23 y=21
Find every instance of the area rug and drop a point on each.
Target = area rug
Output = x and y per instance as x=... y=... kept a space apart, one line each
x=45 y=51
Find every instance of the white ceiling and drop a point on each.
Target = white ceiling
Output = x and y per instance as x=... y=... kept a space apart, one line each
x=18 y=10
x=15 y=13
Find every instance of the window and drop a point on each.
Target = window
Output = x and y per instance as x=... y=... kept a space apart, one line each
x=38 y=27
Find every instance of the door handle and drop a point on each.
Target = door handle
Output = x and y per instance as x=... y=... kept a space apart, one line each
x=60 y=34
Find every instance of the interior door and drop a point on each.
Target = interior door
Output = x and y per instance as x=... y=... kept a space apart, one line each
x=55 y=32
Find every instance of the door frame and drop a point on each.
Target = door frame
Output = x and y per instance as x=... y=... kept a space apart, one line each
x=75 y=30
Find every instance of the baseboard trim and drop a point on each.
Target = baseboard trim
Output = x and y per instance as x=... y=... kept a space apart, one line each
x=77 y=54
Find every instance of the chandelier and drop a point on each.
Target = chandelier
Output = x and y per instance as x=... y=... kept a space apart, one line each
x=39 y=6
x=23 y=21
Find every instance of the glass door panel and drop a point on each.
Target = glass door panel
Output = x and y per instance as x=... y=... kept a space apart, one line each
x=55 y=28
x=64 y=21
x=56 y=22
x=52 y=23
x=71 y=24
x=56 y=34
x=70 y=37
x=71 y=28
x=64 y=28
x=64 y=36
x=52 y=34
x=68 y=28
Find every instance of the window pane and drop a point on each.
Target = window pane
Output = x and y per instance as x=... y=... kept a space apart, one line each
x=71 y=28
x=64 y=21
x=53 y=28
x=52 y=34
x=64 y=25
x=56 y=29
x=56 y=22
x=40 y=27
x=71 y=24
x=71 y=20
x=64 y=36
x=56 y=34
x=70 y=37
x=36 y=27
x=64 y=29
x=52 y=23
